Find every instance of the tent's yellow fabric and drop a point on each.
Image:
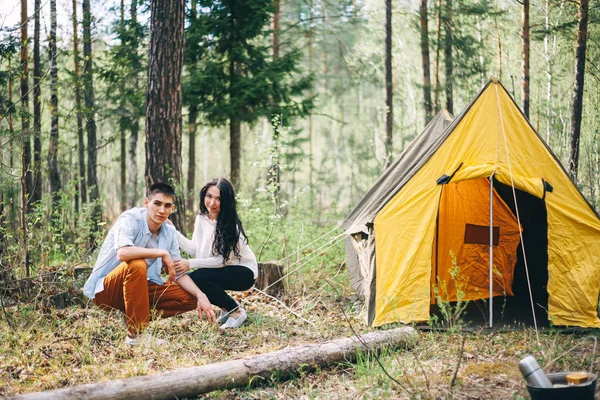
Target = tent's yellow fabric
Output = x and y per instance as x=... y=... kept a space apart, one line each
x=463 y=263
x=493 y=132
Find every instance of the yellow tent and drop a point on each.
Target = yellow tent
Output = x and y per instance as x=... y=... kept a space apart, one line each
x=431 y=238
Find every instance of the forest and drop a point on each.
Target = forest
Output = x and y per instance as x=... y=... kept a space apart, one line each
x=301 y=105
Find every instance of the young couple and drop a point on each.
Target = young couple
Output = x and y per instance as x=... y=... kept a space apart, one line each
x=141 y=243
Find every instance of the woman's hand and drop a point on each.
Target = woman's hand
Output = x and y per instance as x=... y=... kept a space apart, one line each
x=181 y=266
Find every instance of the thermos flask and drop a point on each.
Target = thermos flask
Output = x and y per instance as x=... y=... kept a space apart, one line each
x=533 y=374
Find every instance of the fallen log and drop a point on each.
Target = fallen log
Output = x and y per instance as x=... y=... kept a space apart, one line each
x=192 y=381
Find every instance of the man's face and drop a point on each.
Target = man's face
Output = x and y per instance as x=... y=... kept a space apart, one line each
x=159 y=206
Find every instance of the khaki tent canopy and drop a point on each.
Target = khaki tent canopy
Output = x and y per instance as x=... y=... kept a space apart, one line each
x=422 y=233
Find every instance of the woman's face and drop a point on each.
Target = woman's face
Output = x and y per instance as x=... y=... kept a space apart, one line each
x=212 y=201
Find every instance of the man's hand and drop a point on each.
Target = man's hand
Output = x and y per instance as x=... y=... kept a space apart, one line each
x=205 y=307
x=182 y=265
x=169 y=266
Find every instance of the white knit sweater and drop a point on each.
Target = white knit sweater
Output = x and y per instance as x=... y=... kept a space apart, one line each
x=200 y=248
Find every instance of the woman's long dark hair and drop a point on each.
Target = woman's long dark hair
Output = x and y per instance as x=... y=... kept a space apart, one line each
x=229 y=227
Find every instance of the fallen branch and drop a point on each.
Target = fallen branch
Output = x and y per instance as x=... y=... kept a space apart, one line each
x=189 y=382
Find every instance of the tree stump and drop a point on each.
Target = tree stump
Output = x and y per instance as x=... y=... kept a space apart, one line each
x=270 y=278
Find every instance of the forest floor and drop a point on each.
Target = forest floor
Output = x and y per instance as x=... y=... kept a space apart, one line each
x=45 y=348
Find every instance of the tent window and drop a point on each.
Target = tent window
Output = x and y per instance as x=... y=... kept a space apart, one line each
x=478 y=234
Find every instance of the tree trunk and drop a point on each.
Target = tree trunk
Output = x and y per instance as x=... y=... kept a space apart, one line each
x=499 y=48
x=578 y=89
x=26 y=184
x=192 y=124
x=276 y=25
x=164 y=99
x=525 y=58
x=310 y=119
x=11 y=127
x=436 y=85
x=482 y=70
x=53 y=146
x=425 y=59
x=82 y=186
x=90 y=112
x=449 y=63
x=36 y=194
x=135 y=121
x=122 y=123
x=389 y=89
x=191 y=178
x=193 y=381
x=235 y=139
x=270 y=278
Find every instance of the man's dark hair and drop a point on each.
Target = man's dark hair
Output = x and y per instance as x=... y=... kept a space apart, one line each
x=161 y=188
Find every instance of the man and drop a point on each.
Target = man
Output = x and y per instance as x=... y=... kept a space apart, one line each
x=126 y=276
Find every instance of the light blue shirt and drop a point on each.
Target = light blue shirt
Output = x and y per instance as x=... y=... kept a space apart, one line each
x=131 y=229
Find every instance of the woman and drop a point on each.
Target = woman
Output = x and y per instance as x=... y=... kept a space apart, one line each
x=221 y=259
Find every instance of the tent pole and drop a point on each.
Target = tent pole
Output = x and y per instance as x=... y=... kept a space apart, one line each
x=491 y=247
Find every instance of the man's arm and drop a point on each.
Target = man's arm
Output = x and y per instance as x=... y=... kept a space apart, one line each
x=128 y=253
x=204 y=305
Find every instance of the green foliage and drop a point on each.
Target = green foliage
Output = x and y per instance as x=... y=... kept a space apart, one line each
x=235 y=77
x=451 y=312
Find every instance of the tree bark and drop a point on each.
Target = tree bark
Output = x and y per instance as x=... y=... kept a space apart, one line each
x=82 y=186
x=26 y=184
x=164 y=99
x=36 y=194
x=436 y=85
x=578 y=89
x=53 y=170
x=135 y=122
x=448 y=61
x=235 y=139
x=193 y=381
x=389 y=89
x=122 y=123
x=525 y=59
x=425 y=61
x=191 y=178
x=90 y=112
x=192 y=125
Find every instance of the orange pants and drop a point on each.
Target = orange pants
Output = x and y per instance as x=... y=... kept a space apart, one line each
x=126 y=288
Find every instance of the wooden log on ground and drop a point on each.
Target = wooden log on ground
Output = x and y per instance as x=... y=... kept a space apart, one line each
x=270 y=277
x=190 y=382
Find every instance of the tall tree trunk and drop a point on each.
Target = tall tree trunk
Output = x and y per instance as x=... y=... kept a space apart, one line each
x=80 y=142
x=25 y=113
x=135 y=122
x=425 y=60
x=36 y=194
x=449 y=62
x=122 y=123
x=235 y=139
x=525 y=57
x=191 y=178
x=499 y=48
x=11 y=128
x=438 y=44
x=192 y=125
x=90 y=112
x=482 y=70
x=389 y=89
x=310 y=94
x=578 y=89
x=276 y=25
x=164 y=99
x=53 y=147
x=26 y=184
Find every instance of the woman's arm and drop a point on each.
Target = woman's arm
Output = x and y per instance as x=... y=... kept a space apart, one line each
x=186 y=244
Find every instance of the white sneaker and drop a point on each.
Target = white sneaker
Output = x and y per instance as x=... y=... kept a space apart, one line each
x=235 y=322
x=145 y=339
